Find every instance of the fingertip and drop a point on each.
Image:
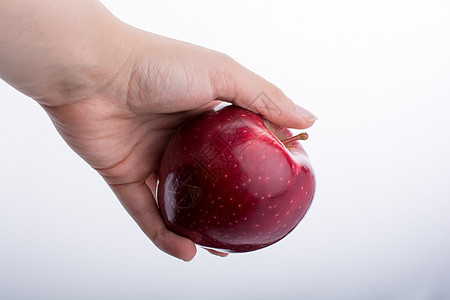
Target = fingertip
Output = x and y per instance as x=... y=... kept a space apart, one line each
x=298 y=117
x=216 y=253
x=177 y=246
x=305 y=114
x=190 y=253
x=304 y=123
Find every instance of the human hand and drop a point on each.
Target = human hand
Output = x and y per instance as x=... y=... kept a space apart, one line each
x=120 y=120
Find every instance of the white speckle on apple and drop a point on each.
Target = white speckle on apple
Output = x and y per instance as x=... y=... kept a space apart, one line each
x=288 y=182
x=245 y=218
x=226 y=175
x=276 y=215
x=263 y=214
x=259 y=177
x=231 y=198
x=287 y=213
x=256 y=225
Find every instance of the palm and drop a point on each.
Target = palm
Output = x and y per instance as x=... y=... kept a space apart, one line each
x=124 y=141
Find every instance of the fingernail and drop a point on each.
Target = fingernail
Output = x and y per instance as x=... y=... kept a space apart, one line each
x=305 y=114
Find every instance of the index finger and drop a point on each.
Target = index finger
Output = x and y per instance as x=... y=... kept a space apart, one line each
x=139 y=202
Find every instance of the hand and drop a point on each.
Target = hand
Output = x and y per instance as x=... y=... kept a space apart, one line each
x=120 y=120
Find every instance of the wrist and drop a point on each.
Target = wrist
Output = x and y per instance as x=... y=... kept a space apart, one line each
x=95 y=68
x=62 y=51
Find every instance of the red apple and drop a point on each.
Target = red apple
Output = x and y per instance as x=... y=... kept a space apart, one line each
x=231 y=180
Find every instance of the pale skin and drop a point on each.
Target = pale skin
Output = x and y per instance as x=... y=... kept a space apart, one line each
x=116 y=94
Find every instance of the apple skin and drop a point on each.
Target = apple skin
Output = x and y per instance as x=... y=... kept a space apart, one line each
x=227 y=182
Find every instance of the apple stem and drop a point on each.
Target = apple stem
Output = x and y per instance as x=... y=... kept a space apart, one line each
x=300 y=136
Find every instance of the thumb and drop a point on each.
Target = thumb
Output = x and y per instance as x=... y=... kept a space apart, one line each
x=234 y=83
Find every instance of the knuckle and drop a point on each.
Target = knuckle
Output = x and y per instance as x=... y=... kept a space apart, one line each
x=144 y=213
x=225 y=58
x=156 y=233
x=275 y=91
x=156 y=236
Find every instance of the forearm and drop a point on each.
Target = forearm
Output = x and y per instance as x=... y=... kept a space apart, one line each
x=55 y=50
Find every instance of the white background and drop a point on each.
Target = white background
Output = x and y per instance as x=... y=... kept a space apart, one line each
x=376 y=73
